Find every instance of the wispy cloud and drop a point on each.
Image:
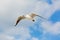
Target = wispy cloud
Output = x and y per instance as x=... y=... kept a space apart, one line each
x=11 y=9
x=33 y=38
x=6 y=37
x=51 y=28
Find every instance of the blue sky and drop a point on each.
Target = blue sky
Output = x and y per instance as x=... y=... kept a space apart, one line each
x=26 y=29
x=56 y=16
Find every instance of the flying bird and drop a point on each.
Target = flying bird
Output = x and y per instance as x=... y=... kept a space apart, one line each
x=28 y=16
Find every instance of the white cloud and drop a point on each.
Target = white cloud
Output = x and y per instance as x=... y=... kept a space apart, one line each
x=33 y=38
x=56 y=28
x=46 y=10
x=51 y=28
x=48 y=26
x=22 y=31
x=6 y=37
x=11 y=32
x=43 y=8
x=11 y=9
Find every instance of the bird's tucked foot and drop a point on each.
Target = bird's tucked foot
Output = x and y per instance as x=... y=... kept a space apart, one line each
x=33 y=20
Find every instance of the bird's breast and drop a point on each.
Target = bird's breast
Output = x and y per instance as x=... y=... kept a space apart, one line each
x=28 y=17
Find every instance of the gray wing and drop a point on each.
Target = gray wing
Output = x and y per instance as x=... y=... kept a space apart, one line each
x=19 y=19
x=33 y=15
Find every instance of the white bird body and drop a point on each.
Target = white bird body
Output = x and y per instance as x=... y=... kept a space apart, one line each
x=28 y=16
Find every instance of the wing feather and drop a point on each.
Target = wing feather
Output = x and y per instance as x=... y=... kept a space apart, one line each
x=19 y=19
x=33 y=15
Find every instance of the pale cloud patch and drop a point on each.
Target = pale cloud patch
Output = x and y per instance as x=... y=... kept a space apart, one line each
x=51 y=28
x=56 y=28
x=23 y=32
x=46 y=10
x=33 y=38
x=48 y=26
x=10 y=9
x=43 y=8
x=6 y=37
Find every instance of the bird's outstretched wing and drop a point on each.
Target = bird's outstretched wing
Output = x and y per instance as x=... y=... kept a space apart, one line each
x=32 y=15
x=41 y=17
x=19 y=19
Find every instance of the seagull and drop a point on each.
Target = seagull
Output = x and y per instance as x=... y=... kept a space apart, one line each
x=27 y=16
